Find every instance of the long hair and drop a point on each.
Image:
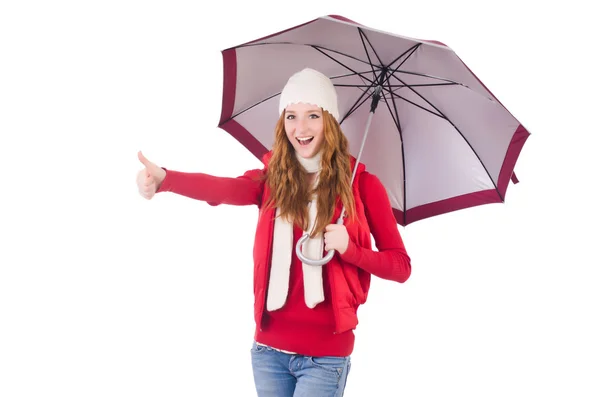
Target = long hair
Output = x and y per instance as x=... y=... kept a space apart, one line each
x=287 y=179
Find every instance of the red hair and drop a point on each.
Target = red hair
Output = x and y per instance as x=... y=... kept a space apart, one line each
x=288 y=182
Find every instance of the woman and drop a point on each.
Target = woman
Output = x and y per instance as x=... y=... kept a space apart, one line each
x=305 y=315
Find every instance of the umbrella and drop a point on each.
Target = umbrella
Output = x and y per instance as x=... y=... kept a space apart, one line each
x=439 y=140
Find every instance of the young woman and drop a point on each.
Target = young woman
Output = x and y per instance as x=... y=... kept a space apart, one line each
x=305 y=314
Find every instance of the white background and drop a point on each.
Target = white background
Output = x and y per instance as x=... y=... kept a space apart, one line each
x=103 y=293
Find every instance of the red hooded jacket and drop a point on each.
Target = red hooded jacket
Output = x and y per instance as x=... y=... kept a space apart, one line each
x=348 y=274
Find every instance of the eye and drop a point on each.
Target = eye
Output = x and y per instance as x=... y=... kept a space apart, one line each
x=314 y=116
x=290 y=117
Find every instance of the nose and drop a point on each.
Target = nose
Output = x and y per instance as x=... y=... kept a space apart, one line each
x=301 y=125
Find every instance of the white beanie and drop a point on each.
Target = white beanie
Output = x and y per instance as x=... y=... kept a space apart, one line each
x=311 y=87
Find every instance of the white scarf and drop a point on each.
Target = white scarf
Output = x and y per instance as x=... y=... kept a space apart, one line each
x=283 y=247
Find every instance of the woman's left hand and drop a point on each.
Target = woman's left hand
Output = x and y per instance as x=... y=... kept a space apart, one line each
x=336 y=238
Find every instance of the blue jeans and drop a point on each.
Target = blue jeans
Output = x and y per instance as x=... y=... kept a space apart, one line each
x=278 y=374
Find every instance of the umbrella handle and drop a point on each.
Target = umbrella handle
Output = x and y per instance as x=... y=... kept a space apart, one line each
x=315 y=262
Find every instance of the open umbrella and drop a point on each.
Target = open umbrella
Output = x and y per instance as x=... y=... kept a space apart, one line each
x=440 y=141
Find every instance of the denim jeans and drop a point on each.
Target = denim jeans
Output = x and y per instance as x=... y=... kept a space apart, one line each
x=278 y=374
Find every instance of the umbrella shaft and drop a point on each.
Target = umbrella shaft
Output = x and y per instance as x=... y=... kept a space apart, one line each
x=376 y=97
x=362 y=146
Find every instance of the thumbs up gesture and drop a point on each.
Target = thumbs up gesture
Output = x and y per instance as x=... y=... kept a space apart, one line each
x=149 y=178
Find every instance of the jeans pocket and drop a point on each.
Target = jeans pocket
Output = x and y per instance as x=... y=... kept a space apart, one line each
x=257 y=349
x=330 y=363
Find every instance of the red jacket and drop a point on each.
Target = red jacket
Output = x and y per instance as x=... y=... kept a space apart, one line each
x=349 y=274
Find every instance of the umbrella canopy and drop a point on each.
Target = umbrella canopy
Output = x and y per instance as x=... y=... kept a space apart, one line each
x=439 y=140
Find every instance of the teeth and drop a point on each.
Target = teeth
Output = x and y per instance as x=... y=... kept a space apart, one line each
x=304 y=139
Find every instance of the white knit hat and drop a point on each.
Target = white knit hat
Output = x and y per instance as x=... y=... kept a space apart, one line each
x=312 y=87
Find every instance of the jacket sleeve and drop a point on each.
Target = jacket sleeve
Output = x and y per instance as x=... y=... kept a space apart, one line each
x=246 y=189
x=390 y=262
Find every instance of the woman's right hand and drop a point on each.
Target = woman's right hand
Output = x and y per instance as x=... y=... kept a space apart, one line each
x=149 y=178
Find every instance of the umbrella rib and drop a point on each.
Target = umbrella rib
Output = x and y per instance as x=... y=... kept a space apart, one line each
x=248 y=108
x=399 y=127
x=359 y=74
x=394 y=114
x=363 y=34
x=362 y=39
x=367 y=84
x=396 y=85
x=308 y=45
x=335 y=60
x=430 y=76
x=412 y=50
x=417 y=105
x=456 y=128
x=356 y=105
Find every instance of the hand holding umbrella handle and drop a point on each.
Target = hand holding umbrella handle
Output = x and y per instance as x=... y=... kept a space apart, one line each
x=315 y=262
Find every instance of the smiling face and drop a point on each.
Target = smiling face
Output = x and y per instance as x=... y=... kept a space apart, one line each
x=304 y=128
